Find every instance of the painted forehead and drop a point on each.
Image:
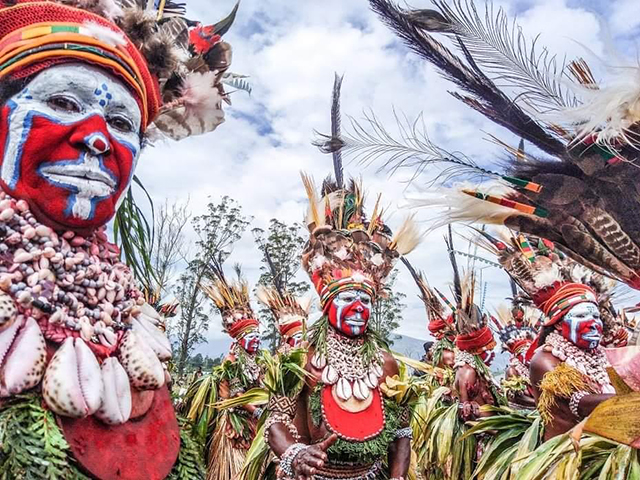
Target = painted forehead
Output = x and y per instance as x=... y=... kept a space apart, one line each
x=583 y=308
x=92 y=87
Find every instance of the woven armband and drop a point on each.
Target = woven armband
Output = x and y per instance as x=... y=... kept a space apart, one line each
x=282 y=410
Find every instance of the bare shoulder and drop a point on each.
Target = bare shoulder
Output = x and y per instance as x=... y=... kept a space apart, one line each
x=541 y=363
x=465 y=373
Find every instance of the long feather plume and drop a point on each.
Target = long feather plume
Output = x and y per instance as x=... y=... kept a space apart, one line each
x=457 y=284
x=314 y=216
x=484 y=95
x=407 y=237
x=335 y=130
x=501 y=49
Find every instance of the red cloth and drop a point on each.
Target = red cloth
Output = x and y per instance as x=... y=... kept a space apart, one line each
x=26 y=13
x=476 y=342
x=242 y=325
x=359 y=426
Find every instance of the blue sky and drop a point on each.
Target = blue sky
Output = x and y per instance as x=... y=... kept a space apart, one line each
x=291 y=49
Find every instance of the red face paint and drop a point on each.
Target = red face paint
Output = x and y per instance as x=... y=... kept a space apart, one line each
x=250 y=341
x=582 y=326
x=68 y=146
x=55 y=162
x=349 y=312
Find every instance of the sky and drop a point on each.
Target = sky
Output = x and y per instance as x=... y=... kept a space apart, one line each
x=290 y=51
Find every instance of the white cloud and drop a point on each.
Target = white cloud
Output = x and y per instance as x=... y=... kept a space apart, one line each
x=291 y=50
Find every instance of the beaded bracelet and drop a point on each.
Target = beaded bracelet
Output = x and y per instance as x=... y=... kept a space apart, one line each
x=574 y=402
x=290 y=454
x=406 y=432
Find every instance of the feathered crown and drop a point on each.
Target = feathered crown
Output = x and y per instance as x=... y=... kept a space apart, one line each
x=440 y=323
x=540 y=270
x=346 y=250
x=233 y=302
x=174 y=66
x=290 y=312
x=473 y=332
x=516 y=326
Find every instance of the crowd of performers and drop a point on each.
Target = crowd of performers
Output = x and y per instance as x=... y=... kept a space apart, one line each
x=84 y=383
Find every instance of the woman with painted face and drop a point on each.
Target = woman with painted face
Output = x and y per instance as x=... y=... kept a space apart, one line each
x=290 y=312
x=81 y=84
x=567 y=364
x=517 y=330
x=341 y=425
x=231 y=431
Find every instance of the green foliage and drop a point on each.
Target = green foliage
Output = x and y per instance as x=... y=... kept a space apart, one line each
x=32 y=444
x=189 y=465
x=134 y=235
x=284 y=244
x=387 y=311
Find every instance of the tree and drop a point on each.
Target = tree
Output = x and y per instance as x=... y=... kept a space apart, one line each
x=168 y=242
x=197 y=361
x=283 y=244
x=218 y=230
x=387 y=310
x=208 y=362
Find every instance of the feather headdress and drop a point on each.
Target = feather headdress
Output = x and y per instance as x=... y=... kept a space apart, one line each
x=291 y=313
x=347 y=249
x=175 y=65
x=440 y=323
x=517 y=327
x=234 y=304
x=582 y=195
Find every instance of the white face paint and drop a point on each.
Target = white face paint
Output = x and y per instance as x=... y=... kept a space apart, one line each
x=77 y=100
x=352 y=310
x=582 y=325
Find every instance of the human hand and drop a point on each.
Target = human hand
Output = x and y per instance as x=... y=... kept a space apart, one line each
x=306 y=464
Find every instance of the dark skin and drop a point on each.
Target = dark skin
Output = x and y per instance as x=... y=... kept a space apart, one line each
x=521 y=398
x=563 y=420
x=448 y=359
x=473 y=392
x=309 y=461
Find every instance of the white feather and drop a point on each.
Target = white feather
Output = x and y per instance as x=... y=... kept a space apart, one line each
x=199 y=92
x=453 y=205
x=104 y=34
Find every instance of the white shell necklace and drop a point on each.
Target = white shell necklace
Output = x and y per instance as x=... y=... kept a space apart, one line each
x=344 y=366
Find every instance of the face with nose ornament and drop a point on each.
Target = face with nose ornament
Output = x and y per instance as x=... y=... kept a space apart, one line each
x=582 y=326
x=250 y=341
x=69 y=142
x=295 y=339
x=349 y=312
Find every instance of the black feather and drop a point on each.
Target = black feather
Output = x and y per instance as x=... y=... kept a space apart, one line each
x=486 y=97
x=335 y=130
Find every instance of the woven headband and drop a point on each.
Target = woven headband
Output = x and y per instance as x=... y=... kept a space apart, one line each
x=564 y=299
x=330 y=290
x=58 y=33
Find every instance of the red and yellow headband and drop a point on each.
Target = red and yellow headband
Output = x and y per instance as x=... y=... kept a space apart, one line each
x=563 y=299
x=329 y=291
x=243 y=326
x=37 y=35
